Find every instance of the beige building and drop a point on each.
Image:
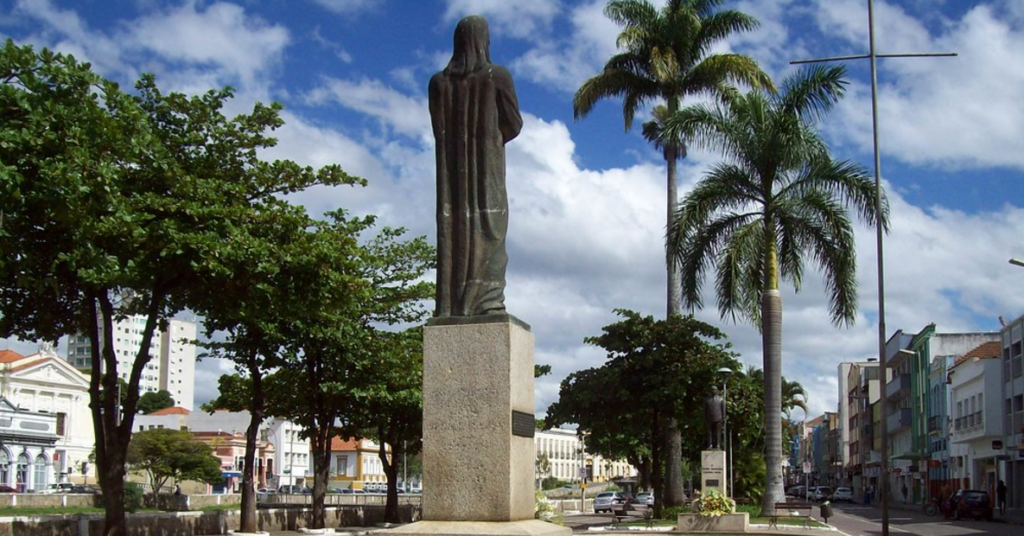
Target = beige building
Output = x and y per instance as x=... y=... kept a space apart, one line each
x=569 y=460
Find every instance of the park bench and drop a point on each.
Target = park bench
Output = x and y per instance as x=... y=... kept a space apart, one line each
x=791 y=509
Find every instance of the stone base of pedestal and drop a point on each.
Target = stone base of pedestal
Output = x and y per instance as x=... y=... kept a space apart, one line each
x=712 y=471
x=731 y=523
x=530 y=527
x=478 y=424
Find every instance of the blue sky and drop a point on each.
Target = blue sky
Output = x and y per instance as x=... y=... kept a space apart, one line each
x=588 y=198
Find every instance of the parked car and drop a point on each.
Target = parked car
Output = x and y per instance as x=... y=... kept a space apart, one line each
x=799 y=492
x=971 y=502
x=61 y=487
x=607 y=501
x=290 y=489
x=85 y=490
x=842 y=494
x=263 y=493
x=646 y=497
x=4 y=488
x=822 y=493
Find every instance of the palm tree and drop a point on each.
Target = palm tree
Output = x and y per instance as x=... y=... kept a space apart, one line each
x=793 y=396
x=666 y=56
x=777 y=197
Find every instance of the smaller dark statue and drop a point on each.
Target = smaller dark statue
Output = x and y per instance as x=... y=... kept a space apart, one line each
x=714 y=415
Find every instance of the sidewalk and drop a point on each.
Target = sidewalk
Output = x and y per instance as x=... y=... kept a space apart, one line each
x=1012 y=516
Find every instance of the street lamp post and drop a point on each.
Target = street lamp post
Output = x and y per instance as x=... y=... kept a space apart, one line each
x=728 y=435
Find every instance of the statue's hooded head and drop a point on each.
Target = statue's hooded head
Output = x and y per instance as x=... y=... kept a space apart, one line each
x=471 y=51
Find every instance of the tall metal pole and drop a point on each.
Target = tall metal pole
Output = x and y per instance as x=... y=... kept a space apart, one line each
x=884 y=466
x=879 y=228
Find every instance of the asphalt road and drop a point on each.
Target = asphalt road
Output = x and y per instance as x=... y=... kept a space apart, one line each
x=859 y=520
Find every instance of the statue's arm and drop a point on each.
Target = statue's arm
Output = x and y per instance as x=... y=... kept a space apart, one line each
x=509 y=120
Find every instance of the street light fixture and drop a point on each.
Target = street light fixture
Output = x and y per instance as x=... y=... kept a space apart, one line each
x=1017 y=262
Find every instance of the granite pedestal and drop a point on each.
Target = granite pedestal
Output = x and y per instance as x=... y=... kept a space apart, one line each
x=477 y=465
x=712 y=472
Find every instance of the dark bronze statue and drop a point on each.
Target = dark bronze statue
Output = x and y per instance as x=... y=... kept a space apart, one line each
x=474 y=113
x=714 y=415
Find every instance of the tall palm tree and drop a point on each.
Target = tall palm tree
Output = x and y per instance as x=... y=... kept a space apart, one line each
x=666 y=56
x=793 y=396
x=777 y=198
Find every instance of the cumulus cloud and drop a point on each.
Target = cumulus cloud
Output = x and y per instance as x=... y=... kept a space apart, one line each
x=521 y=19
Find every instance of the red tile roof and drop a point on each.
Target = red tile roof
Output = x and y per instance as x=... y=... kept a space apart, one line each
x=171 y=411
x=339 y=444
x=10 y=356
x=989 y=350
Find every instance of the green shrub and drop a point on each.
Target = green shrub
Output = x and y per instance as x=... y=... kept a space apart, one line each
x=132 y=497
x=672 y=512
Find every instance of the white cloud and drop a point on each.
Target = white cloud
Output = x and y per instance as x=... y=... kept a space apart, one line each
x=347 y=7
x=522 y=19
x=404 y=114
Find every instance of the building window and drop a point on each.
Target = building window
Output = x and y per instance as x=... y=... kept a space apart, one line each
x=61 y=424
x=39 y=474
x=341 y=465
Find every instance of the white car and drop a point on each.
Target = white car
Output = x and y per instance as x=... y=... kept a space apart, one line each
x=62 y=487
x=822 y=493
x=607 y=501
x=646 y=497
x=842 y=494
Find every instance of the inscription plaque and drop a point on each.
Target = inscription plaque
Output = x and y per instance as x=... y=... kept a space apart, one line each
x=711 y=483
x=523 y=424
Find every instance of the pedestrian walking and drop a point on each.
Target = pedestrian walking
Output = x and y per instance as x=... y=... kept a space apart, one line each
x=904 y=490
x=1001 y=497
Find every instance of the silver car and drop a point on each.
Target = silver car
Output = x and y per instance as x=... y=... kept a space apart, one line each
x=606 y=501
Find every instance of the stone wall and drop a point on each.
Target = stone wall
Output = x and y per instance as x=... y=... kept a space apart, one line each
x=40 y=500
x=199 y=523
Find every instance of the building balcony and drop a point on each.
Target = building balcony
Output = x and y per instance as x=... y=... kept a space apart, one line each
x=898 y=420
x=898 y=387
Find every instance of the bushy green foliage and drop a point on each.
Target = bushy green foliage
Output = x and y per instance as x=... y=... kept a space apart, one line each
x=544 y=510
x=713 y=503
x=672 y=512
x=132 y=497
x=552 y=483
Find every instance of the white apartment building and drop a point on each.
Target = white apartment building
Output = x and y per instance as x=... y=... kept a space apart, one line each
x=976 y=410
x=568 y=458
x=46 y=433
x=172 y=366
x=1012 y=473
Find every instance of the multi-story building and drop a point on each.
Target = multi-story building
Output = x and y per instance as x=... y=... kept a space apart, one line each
x=283 y=456
x=908 y=401
x=568 y=458
x=46 y=433
x=976 y=386
x=172 y=365
x=940 y=474
x=356 y=464
x=1012 y=336
x=862 y=393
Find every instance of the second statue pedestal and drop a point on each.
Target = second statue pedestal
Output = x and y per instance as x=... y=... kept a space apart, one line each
x=712 y=472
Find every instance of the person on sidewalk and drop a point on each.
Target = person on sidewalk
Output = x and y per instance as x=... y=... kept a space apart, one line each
x=904 y=490
x=1001 y=497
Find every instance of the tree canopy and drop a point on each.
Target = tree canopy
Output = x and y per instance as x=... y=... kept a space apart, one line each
x=155 y=401
x=656 y=370
x=164 y=453
x=119 y=204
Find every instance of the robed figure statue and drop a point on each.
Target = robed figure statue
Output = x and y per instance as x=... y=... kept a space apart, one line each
x=474 y=113
x=714 y=415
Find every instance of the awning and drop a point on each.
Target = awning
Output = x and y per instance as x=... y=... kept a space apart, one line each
x=911 y=456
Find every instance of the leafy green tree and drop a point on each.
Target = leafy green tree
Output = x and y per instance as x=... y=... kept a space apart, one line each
x=656 y=370
x=120 y=205
x=666 y=55
x=777 y=198
x=340 y=359
x=163 y=454
x=155 y=401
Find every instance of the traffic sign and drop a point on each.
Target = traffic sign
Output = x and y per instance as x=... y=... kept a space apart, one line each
x=807 y=467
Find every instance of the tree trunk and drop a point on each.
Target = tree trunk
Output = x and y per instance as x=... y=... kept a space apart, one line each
x=391 y=472
x=673 y=495
x=247 y=522
x=673 y=465
x=111 y=475
x=657 y=475
x=321 y=474
x=771 y=337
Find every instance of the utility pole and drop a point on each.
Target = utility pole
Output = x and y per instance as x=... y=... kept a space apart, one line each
x=873 y=56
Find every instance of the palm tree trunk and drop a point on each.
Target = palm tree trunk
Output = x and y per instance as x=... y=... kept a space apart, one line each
x=771 y=341
x=673 y=438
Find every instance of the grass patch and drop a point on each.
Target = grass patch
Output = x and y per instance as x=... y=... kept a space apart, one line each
x=643 y=523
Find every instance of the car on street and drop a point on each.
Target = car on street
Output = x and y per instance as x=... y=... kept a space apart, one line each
x=822 y=493
x=290 y=489
x=971 y=503
x=646 y=497
x=842 y=494
x=61 y=487
x=607 y=501
x=799 y=492
x=4 y=488
x=85 y=490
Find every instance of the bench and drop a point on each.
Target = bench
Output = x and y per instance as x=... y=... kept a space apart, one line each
x=791 y=509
